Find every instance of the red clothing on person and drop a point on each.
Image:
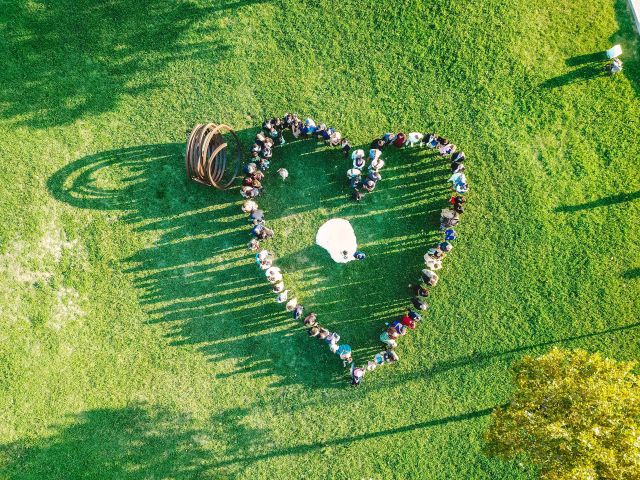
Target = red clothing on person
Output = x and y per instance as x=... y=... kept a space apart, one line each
x=400 y=139
x=407 y=321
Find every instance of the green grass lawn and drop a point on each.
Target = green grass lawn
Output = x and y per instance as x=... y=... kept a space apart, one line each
x=138 y=338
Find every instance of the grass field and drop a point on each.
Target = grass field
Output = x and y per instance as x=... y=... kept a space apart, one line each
x=138 y=339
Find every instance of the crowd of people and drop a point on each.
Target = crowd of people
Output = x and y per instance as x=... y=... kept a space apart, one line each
x=271 y=135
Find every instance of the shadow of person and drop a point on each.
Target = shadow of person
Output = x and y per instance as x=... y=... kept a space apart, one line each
x=133 y=442
x=197 y=279
x=68 y=59
x=581 y=74
x=595 y=57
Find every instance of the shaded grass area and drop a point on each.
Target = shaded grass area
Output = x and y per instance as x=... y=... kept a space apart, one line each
x=139 y=340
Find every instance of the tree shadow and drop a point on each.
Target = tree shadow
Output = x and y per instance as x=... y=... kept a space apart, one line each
x=601 y=202
x=68 y=59
x=198 y=280
x=133 y=442
x=303 y=449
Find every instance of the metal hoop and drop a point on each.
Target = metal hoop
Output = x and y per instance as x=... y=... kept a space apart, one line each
x=206 y=155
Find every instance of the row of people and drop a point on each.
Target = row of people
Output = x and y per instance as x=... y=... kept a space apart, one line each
x=260 y=155
x=434 y=257
x=361 y=183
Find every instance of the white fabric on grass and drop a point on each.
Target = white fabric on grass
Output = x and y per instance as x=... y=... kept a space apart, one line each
x=336 y=236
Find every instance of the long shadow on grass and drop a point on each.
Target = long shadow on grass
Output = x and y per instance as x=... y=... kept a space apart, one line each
x=304 y=449
x=483 y=359
x=142 y=442
x=200 y=282
x=134 y=442
x=67 y=59
x=601 y=202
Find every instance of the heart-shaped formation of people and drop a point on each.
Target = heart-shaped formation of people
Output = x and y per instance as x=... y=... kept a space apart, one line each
x=272 y=135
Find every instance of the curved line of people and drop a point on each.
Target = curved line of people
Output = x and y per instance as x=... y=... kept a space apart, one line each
x=449 y=219
x=261 y=152
x=361 y=183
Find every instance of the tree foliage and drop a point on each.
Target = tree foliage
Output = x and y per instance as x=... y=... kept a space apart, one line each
x=574 y=415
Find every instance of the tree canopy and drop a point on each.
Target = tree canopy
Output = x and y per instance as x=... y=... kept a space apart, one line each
x=575 y=415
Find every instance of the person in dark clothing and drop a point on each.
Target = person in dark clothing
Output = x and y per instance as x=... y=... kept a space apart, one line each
x=359 y=255
x=457 y=167
x=430 y=140
x=378 y=144
x=414 y=315
x=357 y=196
x=374 y=176
x=457 y=200
x=289 y=119
x=420 y=290
x=419 y=304
x=248 y=181
x=458 y=157
x=346 y=147
x=390 y=356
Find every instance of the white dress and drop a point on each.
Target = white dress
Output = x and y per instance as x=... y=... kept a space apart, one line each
x=338 y=238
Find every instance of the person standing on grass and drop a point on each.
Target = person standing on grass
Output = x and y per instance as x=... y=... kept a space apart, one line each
x=419 y=304
x=346 y=147
x=390 y=356
x=389 y=336
x=420 y=290
x=408 y=322
x=297 y=312
x=344 y=352
x=429 y=277
x=359 y=256
x=357 y=374
x=310 y=320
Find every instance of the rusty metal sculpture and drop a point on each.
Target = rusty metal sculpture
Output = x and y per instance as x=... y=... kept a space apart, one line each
x=208 y=159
